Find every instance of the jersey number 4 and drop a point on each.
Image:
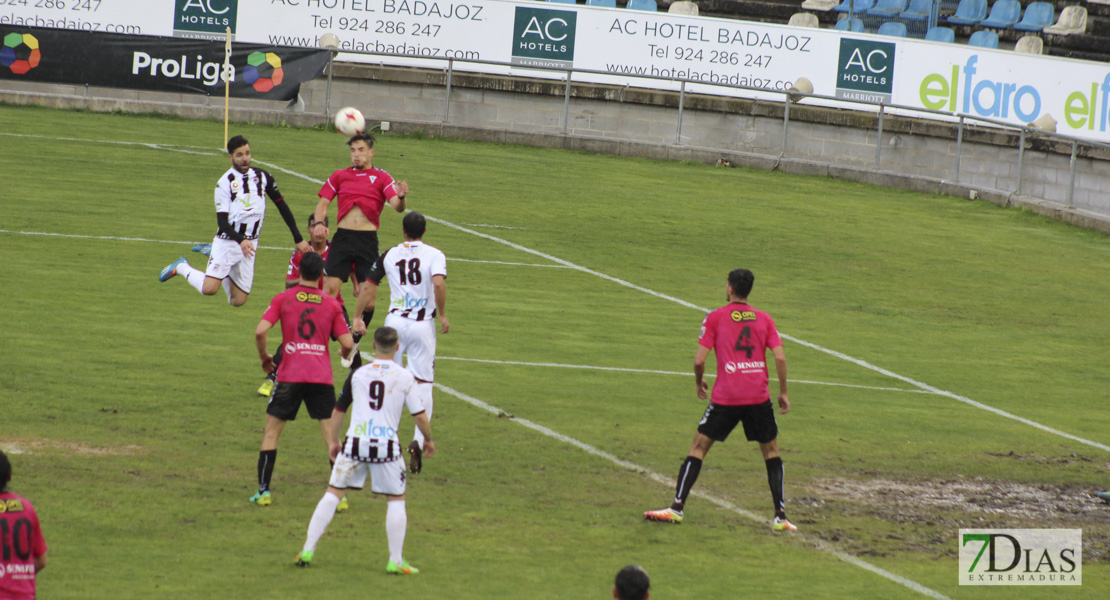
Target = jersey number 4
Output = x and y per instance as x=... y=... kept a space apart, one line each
x=744 y=342
x=412 y=276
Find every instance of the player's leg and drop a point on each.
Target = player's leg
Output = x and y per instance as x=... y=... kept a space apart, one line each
x=715 y=425
x=760 y=426
x=346 y=474
x=388 y=479
x=240 y=279
x=419 y=339
x=267 y=457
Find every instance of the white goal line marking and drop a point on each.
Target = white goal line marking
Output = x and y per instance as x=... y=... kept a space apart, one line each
x=658 y=372
x=725 y=504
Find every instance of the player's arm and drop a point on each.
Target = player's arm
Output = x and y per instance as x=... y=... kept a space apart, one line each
x=398 y=201
x=425 y=427
x=321 y=213
x=346 y=344
x=260 y=343
x=780 y=369
x=439 y=287
x=699 y=372
x=291 y=223
x=40 y=562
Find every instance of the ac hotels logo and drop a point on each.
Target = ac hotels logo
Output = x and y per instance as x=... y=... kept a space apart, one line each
x=1021 y=557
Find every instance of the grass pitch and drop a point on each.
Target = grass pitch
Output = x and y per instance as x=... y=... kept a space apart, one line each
x=130 y=411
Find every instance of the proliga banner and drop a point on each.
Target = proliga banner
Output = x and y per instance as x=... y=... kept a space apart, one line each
x=155 y=63
x=624 y=45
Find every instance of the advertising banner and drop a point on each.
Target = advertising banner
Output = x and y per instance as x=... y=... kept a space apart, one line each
x=155 y=63
x=627 y=47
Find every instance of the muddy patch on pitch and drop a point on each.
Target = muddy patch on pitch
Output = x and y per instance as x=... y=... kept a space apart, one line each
x=33 y=446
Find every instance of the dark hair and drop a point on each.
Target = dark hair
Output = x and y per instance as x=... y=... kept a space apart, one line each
x=362 y=137
x=5 y=471
x=385 y=338
x=312 y=266
x=415 y=225
x=235 y=143
x=741 y=281
x=632 y=583
x=312 y=219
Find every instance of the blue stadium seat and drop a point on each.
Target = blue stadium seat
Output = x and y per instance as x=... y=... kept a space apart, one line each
x=887 y=8
x=563 y=1
x=893 y=28
x=969 y=12
x=648 y=5
x=1004 y=13
x=983 y=39
x=1038 y=15
x=918 y=10
x=855 y=23
x=860 y=6
x=602 y=3
x=941 y=34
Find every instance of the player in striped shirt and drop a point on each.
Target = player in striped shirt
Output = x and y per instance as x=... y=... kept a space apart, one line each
x=376 y=394
x=417 y=276
x=240 y=198
x=739 y=335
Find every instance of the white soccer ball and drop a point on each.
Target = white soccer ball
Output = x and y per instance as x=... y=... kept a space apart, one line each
x=349 y=121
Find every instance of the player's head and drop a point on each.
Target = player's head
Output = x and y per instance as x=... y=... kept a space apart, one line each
x=632 y=584
x=414 y=225
x=239 y=151
x=385 y=340
x=312 y=267
x=5 y=471
x=312 y=223
x=740 y=282
x=362 y=150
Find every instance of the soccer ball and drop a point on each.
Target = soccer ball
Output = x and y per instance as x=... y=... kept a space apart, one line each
x=349 y=121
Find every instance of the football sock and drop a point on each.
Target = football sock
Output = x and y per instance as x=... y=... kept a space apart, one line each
x=226 y=285
x=321 y=517
x=195 y=277
x=367 y=316
x=687 y=475
x=774 y=479
x=425 y=392
x=277 y=358
x=266 y=460
x=396 y=521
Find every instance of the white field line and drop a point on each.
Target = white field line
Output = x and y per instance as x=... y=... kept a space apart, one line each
x=819 y=544
x=627 y=284
x=657 y=372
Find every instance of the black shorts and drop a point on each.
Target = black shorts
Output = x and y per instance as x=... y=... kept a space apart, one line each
x=319 y=399
x=350 y=247
x=758 y=419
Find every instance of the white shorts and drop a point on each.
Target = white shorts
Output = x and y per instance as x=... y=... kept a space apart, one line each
x=418 y=340
x=227 y=260
x=385 y=478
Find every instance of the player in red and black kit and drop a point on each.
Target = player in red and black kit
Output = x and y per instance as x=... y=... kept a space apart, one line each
x=319 y=242
x=308 y=318
x=739 y=335
x=22 y=547
x=363 y=191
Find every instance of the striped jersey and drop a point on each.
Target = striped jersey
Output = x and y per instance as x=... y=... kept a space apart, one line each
x=376 y=394
x=243 y=197
x=409 y=267
x=739 y=336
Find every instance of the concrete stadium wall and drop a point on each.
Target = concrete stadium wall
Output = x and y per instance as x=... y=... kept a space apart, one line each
x=917 y=154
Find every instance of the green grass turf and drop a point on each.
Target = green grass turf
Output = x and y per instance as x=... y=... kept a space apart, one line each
x=133 y=402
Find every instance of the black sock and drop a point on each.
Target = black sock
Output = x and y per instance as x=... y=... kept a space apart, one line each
x=266 y=460
x=367 y=316
x=774 y=479
x=687 y=475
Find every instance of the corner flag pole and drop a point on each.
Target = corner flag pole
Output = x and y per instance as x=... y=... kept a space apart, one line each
x=227 y=80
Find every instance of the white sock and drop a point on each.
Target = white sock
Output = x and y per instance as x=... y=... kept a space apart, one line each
x=227 y=288
x=396 y=521
x=321 y=517
x=194 y=276
x=425 y=390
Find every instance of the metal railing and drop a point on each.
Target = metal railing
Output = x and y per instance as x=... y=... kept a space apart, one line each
x=961 y=119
